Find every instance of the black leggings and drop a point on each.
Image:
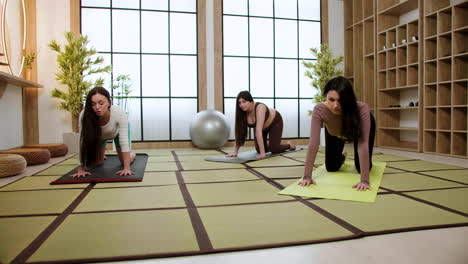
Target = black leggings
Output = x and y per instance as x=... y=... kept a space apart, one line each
x=334 y=150
x=275 y=131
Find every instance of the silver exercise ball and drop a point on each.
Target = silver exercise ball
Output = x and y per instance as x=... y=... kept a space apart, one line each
x=209 y=129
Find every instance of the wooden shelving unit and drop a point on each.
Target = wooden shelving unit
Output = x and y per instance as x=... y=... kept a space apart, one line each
x=408 y=59
x=445 y=78
x=360 y=48
x=399 y=76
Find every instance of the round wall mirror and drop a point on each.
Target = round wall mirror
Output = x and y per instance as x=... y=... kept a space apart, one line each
x=13 y=35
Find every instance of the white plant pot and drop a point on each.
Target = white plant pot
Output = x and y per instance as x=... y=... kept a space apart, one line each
x=72 y=140
x=322 y=137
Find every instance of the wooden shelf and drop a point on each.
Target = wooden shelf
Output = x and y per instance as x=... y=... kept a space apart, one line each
x=432 y=6
x=398 y=108
x=400 y=8
x=400 y=88
x=6 y=78
x=400 y=128
x=389 y=68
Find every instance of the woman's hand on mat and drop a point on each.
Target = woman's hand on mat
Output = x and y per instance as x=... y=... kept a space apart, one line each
x=125 y=172
x=362 y=186
x=232 y=155
x=261 y=156
x=306 y=181
x=80 y=173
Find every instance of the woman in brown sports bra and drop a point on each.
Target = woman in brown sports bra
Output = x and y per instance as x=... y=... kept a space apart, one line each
x=266 y=121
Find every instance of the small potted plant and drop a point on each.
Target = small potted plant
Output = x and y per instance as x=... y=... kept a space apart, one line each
x=28 y=60
x=120 y=91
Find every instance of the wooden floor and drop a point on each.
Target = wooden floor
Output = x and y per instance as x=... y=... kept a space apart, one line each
x=431 y=246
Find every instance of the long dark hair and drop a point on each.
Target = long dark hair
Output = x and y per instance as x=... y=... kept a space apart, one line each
x=241 y=118
x=351 y=121
x=90 y=129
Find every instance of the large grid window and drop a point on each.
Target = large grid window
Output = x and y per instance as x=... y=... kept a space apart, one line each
x=264 y=44
x=155 y=42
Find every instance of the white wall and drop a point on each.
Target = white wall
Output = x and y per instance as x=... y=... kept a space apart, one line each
x=11 y=103
x=11 y=117
x=336 y=27
x=53 y=19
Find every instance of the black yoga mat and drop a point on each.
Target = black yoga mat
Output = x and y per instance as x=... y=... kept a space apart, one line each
x=106 y=172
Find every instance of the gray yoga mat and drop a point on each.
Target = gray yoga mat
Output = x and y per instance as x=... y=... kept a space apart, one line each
x=245 y=156
x=106 y=172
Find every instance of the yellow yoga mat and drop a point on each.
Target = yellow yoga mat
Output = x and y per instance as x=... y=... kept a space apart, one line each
x=338 y=185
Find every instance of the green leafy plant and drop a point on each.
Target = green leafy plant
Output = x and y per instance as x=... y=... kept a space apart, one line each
x=76 y=62
x=322 y=70
x=29 y=59
x=121 y=90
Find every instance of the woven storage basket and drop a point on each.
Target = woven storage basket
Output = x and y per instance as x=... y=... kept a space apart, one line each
x=33 y=156
x=11 y=164
x=56 y=150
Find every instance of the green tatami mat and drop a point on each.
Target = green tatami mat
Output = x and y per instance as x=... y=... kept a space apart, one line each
x=197 y=158
x=172 y=158
x=319 y=160
x=218 y=176
x=275 y=161
x=286 y=182
x=412 y=181
x=192 y=207
x=38 y=183
x=132 y=198
x=88 y=236
x=419 y=165
x=456 y=199
x=155 y=152
x=390 y=212
x=385 y=157
x=263 y=224
x=161 y=166
x=160 y=158
x=454 y=175
x=18 y=233
x=285 y=172
x=391 y=170
x=70 y=161
x=234 y=193
x=36 y=202
x=208 y=165
x=151 y=178
x=300 y=154
x=196 y=152
x=57 y=170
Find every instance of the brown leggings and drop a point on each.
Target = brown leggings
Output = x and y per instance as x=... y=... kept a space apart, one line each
x=275 y=130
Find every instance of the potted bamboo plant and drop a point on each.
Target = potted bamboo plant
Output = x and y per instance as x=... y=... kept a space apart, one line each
x=324 y=68
x=76 y=63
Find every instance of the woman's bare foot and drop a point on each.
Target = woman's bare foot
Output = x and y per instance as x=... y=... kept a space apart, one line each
x=132 y=157
x=291 y=145
x=345 y=154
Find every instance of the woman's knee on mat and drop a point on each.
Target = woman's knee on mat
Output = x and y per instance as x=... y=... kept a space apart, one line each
x=332 y=166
